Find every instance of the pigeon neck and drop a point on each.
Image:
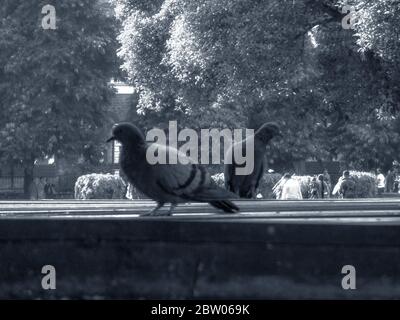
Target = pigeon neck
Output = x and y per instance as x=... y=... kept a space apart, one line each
x=260 y=139
x=135 y=148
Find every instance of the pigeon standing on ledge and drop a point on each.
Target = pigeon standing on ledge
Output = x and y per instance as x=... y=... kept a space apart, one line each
x=246 y=185
x=167 y=183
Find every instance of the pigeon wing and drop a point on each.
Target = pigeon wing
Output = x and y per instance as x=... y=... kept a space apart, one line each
x=188 y=181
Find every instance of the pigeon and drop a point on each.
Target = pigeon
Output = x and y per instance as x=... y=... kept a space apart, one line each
x=246 y=185
x=182 y=182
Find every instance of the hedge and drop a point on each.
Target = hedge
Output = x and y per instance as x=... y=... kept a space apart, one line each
x=100 y=186
x=365 y=184
x=108 y=186
x=266 y=184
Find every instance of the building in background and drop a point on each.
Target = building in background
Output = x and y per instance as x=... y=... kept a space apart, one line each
x=121 y=107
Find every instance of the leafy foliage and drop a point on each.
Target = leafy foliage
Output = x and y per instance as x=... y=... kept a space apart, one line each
x=365 y=184
x=53 y=83
x=231 y=63
x=100 y=186
x=378 y=28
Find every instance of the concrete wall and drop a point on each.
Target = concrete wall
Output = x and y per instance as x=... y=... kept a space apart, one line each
x=161 y=258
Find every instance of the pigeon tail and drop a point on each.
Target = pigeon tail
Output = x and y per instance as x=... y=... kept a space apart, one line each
x=217 y=197
x=225 y=205
x=211 y=194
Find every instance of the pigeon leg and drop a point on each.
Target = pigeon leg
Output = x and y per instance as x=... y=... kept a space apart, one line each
x=153 y=212
x=171 y=208
x=164 y=213
x=253 y=192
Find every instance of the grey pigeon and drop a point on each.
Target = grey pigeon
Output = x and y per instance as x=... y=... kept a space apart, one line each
x=167 y=183
x=246 y=185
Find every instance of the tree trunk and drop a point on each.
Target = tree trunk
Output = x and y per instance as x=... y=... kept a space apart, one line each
x=28 y=177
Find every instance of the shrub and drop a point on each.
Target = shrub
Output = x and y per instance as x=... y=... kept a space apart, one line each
x=219 y=179
x=132 y=193
x=365 y=184
x=100 y=186
x=266 y=183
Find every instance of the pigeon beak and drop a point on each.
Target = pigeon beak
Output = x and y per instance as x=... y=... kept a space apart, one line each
x=111 y=139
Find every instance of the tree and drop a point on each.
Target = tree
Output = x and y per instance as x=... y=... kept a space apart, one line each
x=54 y=83
x=377 y=25
x=376 y=131
x=217 y=64
x=235 y=63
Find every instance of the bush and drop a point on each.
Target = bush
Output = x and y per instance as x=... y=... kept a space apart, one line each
x=265 y=187
x=267 y=182
x=132 y=193
x=219 y=179
x=100 y=186
x=365 y=184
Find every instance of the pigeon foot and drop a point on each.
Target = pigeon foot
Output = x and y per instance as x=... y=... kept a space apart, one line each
x=156 y=213
x=153 y=212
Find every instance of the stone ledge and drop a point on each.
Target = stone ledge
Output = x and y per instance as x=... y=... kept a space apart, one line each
x=177 y=259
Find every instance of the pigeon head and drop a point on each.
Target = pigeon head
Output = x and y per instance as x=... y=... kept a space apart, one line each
x=267 y=131
x=127 y=134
